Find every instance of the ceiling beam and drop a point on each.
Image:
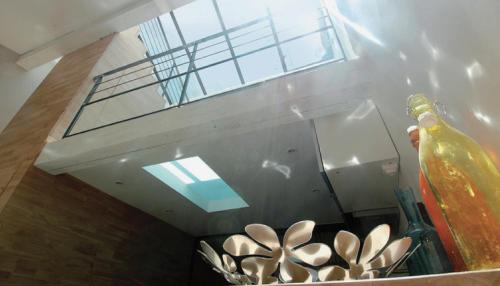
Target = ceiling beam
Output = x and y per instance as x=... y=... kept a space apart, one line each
x=118 y=21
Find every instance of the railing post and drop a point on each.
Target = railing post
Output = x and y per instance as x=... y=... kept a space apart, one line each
x=228 y=41
x=97 y=82
x=276 y=40
x=335 y=33
x=172 y=58
x=186 y=48
x=163 y=86
x=188 y=73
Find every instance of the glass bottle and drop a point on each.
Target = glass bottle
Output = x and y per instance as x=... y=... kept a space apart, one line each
x=429 y=256
x=465 y=182
x=435 y=213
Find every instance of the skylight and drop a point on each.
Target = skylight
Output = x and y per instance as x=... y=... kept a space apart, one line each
x=178 y=173
x=239 y=42
x=198 y=168
x=196 y=181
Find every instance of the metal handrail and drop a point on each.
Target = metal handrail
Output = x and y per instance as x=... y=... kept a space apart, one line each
x=157 y=63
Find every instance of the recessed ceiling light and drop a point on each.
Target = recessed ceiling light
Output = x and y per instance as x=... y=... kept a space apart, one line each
x=197 y=182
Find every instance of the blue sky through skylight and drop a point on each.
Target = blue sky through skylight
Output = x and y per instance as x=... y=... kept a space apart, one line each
x=303 y=28
x=196 y=181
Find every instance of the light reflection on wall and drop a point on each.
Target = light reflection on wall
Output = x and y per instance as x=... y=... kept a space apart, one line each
x=482 y=117
x=283 y=169
x=475 y=70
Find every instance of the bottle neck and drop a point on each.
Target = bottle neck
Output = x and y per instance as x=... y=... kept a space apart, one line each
x=409 y=204
x=417 y=111
x=418 y=104
x=430 y=121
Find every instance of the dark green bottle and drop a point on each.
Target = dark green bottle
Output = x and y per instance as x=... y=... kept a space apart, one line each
x=430 y=256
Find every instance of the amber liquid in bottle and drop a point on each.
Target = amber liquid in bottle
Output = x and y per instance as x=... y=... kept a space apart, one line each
x=466 y=184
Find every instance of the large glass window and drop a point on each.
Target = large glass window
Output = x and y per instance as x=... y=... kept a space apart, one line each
x=235 y=13
x=254 y=71
x=238 y=42
x=197 y=20
x=220 y=45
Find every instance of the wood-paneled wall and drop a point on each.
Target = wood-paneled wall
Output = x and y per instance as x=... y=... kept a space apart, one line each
x=25 y=135
x=57 y=230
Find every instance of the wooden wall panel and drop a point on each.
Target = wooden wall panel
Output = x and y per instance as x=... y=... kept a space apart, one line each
x=26 y=134
x=125 y=48
x=57 y=230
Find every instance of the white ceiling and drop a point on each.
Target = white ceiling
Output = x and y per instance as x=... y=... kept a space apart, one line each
x=276 y=170
x=43 y=30
x=274 y=198
x=35 y=23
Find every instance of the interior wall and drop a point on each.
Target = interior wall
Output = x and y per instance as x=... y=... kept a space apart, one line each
x=26 y=134
x=444 y=49
x=57 y=230
x=17 y=84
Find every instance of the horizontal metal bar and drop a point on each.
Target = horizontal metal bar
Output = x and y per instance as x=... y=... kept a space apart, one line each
x=138 y=78
x=80 y=110
x=181 y=48
x=213 y=64
x=197 y=100
x=215 y=44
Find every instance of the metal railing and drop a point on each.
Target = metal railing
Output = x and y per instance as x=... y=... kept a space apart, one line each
x=171 y=71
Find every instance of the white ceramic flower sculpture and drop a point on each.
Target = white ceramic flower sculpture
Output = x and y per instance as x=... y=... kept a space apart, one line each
x=372 y=257
x=226 y=267
x=271 y=254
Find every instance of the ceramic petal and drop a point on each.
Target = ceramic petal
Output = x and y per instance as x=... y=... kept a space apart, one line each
x=298 y=234
x=375 y=241
x=291 y=272
x=346 y=245
x=260 y=269
x=240 y=245
x=391 y=254
x=314 y=254
x=211 y=255
x=229 y=264
x=332 y=273
x=263 y=234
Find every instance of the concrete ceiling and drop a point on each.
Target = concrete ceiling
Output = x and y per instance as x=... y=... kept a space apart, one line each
x=39 y=22
x=40 y=31
x=275 y=198
x=275 y=169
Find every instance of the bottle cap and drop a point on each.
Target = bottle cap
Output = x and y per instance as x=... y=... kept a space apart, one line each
x=427 y=119
x=411 y=129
